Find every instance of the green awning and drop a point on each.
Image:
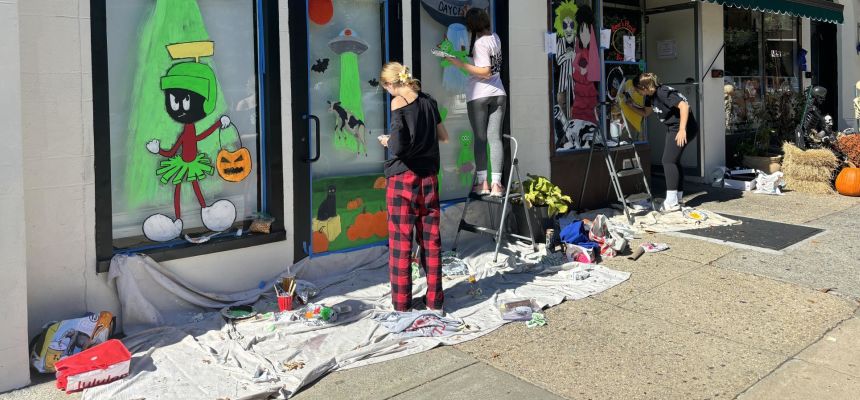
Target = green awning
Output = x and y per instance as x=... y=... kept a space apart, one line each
x=819 y=10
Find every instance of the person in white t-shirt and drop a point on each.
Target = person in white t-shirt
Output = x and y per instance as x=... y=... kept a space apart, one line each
x=486 y=100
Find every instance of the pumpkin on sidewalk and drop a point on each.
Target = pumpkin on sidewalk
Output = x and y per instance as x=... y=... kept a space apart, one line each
x=848 y=181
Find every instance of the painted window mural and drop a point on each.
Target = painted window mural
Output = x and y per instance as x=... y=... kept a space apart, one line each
x=576 y=72
x=346 y=52
x=442 y=26
x=183 y=117
x=624 y=61
x=576 y=75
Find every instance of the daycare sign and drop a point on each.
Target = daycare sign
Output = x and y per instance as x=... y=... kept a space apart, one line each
x=447 y=12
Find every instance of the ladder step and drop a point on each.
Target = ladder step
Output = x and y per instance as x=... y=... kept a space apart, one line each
x=492 y=199
x=622 y=147
x=633 y=198
x=629 y=172
x=465 y=226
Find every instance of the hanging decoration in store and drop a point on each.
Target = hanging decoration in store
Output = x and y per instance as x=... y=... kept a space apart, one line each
x=171 y=21
x=373 y=82
x=350 y=131
x=622 y=23
x=320 y=11
x=233 y=166
x=455 y=43
x=447 y=12
x=190 y=94
x=321 y=65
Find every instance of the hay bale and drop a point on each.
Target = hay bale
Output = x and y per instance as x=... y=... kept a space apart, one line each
x=809 y=171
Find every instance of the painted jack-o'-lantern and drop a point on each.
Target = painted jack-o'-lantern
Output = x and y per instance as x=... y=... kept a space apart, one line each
x=233 y=166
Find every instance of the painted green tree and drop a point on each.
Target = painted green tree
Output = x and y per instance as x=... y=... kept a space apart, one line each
x=171 y=21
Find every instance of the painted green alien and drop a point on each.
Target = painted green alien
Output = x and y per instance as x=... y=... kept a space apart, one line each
x=466 y=159
x=448 y=47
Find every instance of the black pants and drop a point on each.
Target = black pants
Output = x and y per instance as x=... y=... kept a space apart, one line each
x=672 y=159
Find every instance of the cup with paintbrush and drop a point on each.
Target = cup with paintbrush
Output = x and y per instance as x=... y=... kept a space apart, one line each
x=285 y=293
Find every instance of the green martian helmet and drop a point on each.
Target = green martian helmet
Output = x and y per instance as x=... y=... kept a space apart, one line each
x=193 y=76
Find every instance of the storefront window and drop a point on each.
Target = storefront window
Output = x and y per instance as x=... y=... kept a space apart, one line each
x=576 y=74
x=743 y=68
x=186 y=138
x=761 y=59
x=447 y=84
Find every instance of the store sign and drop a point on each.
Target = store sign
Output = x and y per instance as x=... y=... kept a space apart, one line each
x=447 y=12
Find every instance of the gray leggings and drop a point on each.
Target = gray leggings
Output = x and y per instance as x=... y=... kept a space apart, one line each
x=486 y=116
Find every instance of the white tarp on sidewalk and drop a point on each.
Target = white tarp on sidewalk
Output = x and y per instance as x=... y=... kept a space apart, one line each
x=180 y=353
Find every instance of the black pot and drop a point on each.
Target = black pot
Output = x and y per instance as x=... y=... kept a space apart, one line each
x=540 y=219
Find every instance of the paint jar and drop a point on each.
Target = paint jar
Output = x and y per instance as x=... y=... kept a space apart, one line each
x=285 y=302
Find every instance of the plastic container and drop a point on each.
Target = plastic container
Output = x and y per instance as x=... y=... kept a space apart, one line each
x=517 y=309
x=95 y=366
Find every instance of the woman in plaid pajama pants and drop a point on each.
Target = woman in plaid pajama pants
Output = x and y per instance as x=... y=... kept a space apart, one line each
x=412 y=192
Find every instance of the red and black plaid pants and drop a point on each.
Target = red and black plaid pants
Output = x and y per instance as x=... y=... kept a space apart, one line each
x=413 y=202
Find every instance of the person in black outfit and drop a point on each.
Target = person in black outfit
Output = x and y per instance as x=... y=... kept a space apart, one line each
x=412 y=188
x=673 y=110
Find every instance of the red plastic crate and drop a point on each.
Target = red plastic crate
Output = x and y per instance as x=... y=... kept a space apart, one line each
x=95 y=366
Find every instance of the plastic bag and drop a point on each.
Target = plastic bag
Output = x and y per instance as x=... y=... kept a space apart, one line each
x=68 y=337
x=769 y=184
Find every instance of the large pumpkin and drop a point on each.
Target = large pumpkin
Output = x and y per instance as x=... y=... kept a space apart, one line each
x=234 y=166
x=848 y=182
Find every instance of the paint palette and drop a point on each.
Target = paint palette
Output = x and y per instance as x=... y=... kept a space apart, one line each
x=440 y=53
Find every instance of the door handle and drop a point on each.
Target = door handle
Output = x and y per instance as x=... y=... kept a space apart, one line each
x=317 y=140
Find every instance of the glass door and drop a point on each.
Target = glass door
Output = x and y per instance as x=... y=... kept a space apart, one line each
x=346 y=47
x=447 y=84
x=672 y=47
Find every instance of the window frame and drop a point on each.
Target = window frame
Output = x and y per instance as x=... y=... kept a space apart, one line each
x=270 y=165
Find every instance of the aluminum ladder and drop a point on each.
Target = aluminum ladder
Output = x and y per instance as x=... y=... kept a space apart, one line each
x=499 y=233
x=609 y=155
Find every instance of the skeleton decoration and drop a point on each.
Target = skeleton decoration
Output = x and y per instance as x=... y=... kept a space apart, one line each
x=815 y=130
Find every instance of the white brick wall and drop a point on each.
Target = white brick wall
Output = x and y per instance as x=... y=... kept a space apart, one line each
x=13 y=266
x=56 y=106
x=528 y=92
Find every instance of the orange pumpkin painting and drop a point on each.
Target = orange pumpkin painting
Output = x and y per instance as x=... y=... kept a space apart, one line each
x=368 y=224
x=379 y=183
x=320 y=242
x=354 y=204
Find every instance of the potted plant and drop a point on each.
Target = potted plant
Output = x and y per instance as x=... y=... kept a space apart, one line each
x=545 y=202
x=777 y=117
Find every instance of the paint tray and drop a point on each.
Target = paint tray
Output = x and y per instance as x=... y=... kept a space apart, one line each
x=517 y=309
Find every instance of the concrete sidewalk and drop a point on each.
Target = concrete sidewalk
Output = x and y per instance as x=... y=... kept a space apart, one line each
x=700 y=321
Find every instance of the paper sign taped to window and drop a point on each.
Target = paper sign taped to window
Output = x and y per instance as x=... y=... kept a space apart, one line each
x=667 y=49
x=629 y=48
x=549 y=43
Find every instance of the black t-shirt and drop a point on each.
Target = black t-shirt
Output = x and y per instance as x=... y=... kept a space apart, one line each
x=665 y=104
x=413 y=144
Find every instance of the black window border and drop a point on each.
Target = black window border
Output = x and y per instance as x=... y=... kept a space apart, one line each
x=271 y=117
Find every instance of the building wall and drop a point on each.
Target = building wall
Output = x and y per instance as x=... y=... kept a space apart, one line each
x=849 y=62
x=713 y=120
x=13 y=266
x=529 y=99
x=59 y=192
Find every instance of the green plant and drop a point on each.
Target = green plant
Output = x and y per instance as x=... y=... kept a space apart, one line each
x=539 y=191
x=776 y=117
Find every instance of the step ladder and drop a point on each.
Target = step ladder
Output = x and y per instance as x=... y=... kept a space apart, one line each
x=498 y=233
x=610 y=154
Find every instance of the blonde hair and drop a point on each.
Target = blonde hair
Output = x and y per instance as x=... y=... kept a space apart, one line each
x=646 y=80
x=397 y=74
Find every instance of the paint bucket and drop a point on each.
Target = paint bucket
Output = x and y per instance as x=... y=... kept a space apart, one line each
x=285 y=302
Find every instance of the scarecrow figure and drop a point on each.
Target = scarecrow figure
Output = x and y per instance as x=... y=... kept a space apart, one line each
x=190 y=92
